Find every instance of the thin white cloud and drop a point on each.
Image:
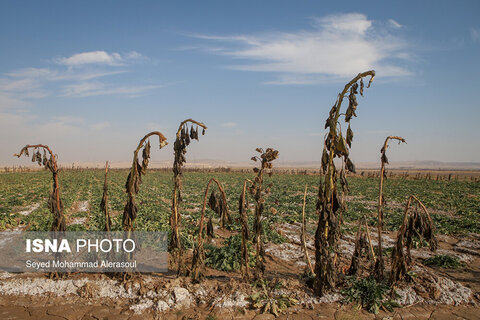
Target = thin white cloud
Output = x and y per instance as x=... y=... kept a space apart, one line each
x=475 y=35
x=81 y=89
x=134 y=55
x=32 y=73
x=88 y=89
x=337 y=46
x=31 y=83
x=100 y=125
x=299 y=79
x=45 y=74
x=99 y=57
x=229 y=124
x=348 y=22
x=394 y=24
x=19 y=87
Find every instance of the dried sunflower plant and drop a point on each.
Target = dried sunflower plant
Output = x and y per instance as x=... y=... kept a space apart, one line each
x=104 y=202
x=219 y=205
x=380 y=264
x=258 y=193
x=184 y=136
x=134 y=179
x=416 y=224
x=243 y=212
x=329 y=203
x=49 y=161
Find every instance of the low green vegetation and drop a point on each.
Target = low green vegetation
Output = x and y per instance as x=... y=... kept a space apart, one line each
x=228 y=257
x=443 y=261
x=453 y=205
x=369 y=294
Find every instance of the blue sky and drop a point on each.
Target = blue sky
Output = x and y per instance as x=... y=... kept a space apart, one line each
x=91 y=78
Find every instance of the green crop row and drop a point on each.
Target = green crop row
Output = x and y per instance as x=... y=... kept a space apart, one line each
x=454 y=205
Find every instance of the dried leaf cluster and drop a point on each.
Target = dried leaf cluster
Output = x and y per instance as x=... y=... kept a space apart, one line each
x=416 y=224
x=218 y=203
x=363 y=247
x=49 y=162
x=134 y=179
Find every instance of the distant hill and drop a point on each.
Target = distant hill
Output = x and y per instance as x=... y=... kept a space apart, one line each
x=209 y=163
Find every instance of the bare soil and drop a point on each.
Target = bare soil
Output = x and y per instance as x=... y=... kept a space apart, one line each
x=435 y=293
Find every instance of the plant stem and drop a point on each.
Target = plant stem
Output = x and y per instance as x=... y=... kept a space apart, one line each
x=304 y=243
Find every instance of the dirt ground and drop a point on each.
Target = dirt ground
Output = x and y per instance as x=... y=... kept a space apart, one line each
x=434 y=294
x=28 y=307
